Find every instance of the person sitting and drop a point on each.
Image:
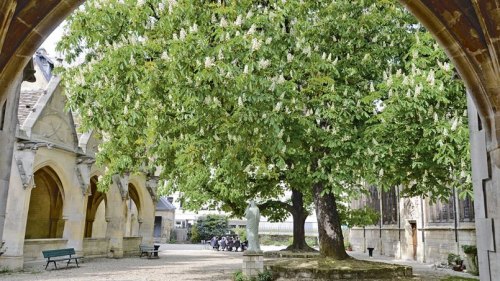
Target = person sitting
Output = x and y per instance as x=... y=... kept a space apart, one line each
x=214 y=242
x=244 y=245
x=229 y=244
x=237 y=244
x=222 y=243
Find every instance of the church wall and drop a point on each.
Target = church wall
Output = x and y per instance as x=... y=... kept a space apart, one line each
x=434 y=240
x=33 y=247
x=439 y=242
x=131 y=246
x=95 y=247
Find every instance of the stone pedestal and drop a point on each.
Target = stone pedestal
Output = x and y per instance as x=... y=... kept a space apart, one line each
x=253 y=264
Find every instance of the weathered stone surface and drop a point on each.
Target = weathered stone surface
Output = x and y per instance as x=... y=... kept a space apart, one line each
x=253 y=264
x=329 y=269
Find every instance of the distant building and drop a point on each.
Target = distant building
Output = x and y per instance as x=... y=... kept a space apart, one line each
x=164 y=220
x=415 y=228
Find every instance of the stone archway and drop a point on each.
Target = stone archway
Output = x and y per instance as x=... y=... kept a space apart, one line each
x=95 y=222
x=468 y=30
x=46 y=206
x=133 y=212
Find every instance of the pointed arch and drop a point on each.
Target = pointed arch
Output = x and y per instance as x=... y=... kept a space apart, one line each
x=46 y=206
x=95 y=224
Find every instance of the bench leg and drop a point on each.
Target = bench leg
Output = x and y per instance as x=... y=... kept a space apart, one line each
x=76 y=260
x=47 y=265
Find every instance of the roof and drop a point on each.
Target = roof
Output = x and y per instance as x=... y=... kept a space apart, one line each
x=44 y=63
x=27 y=101
x=164 y=205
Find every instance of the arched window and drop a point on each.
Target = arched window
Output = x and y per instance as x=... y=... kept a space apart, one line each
x=373 y=200
x=441 y=211
x=389 y=206
x=466 y=207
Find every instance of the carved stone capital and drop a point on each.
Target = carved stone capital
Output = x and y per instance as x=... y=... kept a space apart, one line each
x=24 y=162
x=33 y=145
x=83 y=159
x=82 y=172
x=152 y=186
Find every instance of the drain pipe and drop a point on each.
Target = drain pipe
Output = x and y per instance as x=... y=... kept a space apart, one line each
x=455 y=201
x=399 y=221
x=423 y=228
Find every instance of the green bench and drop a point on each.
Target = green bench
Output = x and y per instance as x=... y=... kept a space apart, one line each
x=148 y=251
x=54 y=256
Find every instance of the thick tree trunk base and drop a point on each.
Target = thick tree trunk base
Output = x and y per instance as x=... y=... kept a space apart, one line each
x=300 y=249
x=331 y=240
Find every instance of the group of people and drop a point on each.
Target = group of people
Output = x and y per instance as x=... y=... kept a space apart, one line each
x=228 y=244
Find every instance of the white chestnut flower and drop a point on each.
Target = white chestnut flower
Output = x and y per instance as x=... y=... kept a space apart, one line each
x=251 y=30
x=263 y=63
x=238 y=21
x=223 y=22
x=209 y=62
x=182 y=34
x=193 y=28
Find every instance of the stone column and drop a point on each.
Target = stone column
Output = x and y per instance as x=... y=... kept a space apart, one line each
x=148 y=207
x=21 y=184
x=115 y=215
x=7 y=140
x=486 y=182
x=74 y=213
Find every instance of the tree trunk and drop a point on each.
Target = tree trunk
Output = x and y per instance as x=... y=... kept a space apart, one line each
x=299 y=215
x=331 y=240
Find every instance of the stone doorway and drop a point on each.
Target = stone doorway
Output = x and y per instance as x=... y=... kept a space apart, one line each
x=157 y=227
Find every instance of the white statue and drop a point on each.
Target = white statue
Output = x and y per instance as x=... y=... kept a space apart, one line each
x=252 y=215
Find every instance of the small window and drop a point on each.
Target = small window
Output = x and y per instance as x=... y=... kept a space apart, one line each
x=373 y=200
x=466 y=209
x=2 y=115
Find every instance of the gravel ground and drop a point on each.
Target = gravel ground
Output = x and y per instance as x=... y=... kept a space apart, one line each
x=176 y=262
x=181 y=262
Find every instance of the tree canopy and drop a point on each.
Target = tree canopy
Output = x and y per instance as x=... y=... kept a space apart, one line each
x=244 y=99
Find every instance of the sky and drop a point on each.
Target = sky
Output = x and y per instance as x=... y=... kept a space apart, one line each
x=50 y=43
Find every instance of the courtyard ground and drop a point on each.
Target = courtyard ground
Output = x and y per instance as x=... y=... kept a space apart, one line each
x=180 y=262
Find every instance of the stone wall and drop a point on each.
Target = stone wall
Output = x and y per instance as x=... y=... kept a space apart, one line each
x=33 y=247
x=131 y=246
x=95 y=247
x=439 y=242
